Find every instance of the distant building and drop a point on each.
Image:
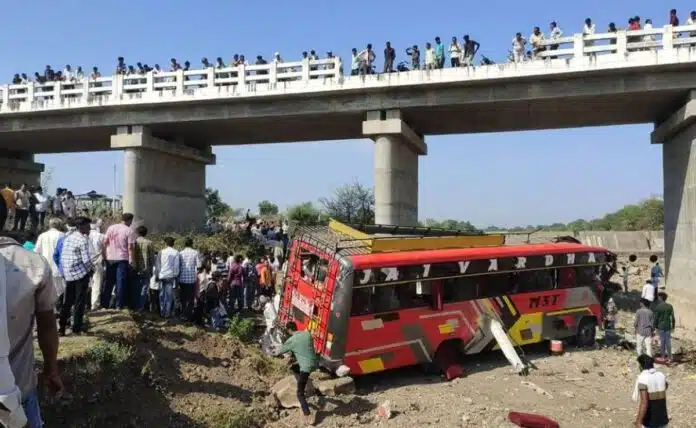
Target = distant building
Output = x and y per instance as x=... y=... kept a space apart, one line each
x=95 y=202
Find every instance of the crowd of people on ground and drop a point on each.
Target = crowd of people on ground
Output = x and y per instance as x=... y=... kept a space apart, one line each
x=461 y=53
x=28 y=206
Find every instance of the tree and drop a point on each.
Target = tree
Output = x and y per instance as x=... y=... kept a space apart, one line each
x=455 y=225
x=351 y=204
x=304 y=214
x=214 y=205
x=267 y=208
x=46 y=180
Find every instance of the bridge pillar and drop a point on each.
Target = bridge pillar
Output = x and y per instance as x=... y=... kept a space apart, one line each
x=678 y=138
x=19 y=168
x=397 y=148
x=164 y=182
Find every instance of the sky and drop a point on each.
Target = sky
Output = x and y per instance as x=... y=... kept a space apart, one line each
x=502 y=179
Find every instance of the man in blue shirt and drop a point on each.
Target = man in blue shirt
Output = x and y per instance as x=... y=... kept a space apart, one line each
x=77 y=269
x=655 y=274
x=439 y=53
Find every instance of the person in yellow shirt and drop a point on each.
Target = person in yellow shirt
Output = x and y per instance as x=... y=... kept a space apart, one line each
x=8 y=195
x=264 y=274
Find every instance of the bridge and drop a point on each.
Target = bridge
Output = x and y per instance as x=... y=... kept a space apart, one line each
x=168 y=121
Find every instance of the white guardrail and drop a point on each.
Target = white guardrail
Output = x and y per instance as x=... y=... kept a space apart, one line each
x=577 y=53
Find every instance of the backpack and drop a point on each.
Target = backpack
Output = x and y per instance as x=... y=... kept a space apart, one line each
x=250 y=273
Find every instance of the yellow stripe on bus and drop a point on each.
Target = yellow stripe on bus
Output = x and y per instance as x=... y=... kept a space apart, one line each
x=446 y=328
x=568 y=311
x=372 y=365
x=510 y=306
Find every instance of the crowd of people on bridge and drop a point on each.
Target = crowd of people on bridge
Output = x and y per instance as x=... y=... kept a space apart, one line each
x=433 y=55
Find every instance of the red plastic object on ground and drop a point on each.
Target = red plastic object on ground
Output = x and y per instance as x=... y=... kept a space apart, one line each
x=530 y=420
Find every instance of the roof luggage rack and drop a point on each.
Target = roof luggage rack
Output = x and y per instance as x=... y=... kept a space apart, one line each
x=339 y=238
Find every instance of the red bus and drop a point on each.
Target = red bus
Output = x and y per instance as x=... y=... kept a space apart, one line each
x=374 y=304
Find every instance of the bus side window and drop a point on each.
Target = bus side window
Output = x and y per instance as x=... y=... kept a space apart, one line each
x=362 y=303
x=459 y=289
x=536 y=280
x=492 y=285
x=566 y=277
x=586 y=276
x=314 y=268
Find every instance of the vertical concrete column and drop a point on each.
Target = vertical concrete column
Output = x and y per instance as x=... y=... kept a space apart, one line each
x=19 y=168
x=397 y=148
x=677 y=135
x=679 y=170
x=164 y=182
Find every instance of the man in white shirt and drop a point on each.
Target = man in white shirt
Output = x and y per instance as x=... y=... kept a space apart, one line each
x=46 y=246
x=588 y=30
x=648 y=292
x=97 y=241
x=519 y=44
x=169 y=269
x=429 y=57
x=41 y=205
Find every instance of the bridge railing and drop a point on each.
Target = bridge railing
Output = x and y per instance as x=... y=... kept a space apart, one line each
x=230 y=80
x=622 y=49
x=621 y=42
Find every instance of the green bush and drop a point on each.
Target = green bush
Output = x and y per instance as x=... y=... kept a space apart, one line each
x=240 y=418
x=241 y=328
x=228 y=241
x=109 y=353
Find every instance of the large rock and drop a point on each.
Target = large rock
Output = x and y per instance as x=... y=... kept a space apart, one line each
x=333 y=387
x=284 y=392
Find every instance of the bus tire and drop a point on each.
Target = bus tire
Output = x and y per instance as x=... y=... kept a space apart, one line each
x=587 y=333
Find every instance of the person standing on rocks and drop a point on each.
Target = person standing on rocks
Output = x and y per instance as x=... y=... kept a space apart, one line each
x=645 y=331
x=301 y=346
x=664 y=324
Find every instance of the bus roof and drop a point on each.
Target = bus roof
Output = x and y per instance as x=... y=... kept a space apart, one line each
x=404 y=258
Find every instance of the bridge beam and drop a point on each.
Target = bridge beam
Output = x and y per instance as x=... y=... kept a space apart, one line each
x=164 y=182
x=19 y=168
x=397 y=148
x=678 y=138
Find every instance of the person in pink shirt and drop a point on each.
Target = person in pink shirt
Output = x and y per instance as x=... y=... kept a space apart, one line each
x=118 y=253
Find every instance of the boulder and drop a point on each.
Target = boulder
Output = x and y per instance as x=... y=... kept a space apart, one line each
x=333 y=387
x=284 y=392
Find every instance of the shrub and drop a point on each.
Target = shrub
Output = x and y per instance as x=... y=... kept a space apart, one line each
x=241 y=328
x=240 y=418
x=109 y=353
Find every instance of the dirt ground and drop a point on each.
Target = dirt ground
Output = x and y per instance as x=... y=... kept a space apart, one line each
x=134 y=371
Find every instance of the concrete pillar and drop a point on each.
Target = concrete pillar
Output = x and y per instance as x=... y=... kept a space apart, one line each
x=19 y=168
x=397 y=148
x=164 y=182
x=678 y=138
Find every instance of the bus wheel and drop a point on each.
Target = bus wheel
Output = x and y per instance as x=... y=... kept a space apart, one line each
x=447 y=359
x=587 y=333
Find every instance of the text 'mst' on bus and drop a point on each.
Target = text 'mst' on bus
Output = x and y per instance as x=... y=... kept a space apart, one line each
x=378 y=303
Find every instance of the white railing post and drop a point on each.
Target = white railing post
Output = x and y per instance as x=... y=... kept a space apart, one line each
x=117 y=82
x=31 y=87
x=150 y=82
x=338 y=69
x=210 y=77
x=621 y=44
x=57 y=92
x=305 y=70
x=5 y=95
x=668 y=40
x=241 y=77
x=179 y=82
x=85 y=89
x=272 y=74
x=578 y=48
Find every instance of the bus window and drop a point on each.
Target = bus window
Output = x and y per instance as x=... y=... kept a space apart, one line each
x=566 y=277
x=459 y=289
x=387 y=298
x=535 y=280
x=492 y=285
x=314 y=268
x=587 y=275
